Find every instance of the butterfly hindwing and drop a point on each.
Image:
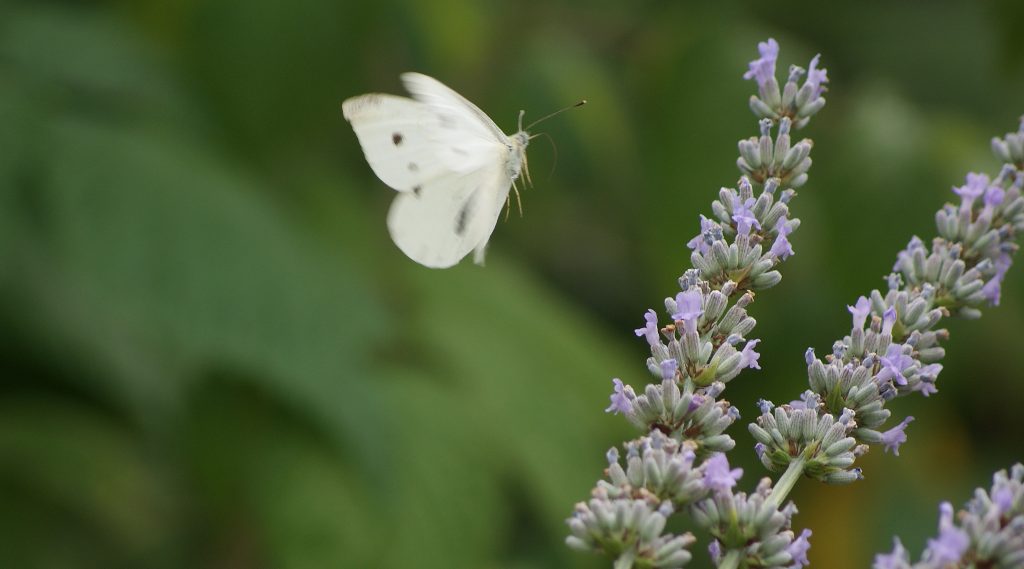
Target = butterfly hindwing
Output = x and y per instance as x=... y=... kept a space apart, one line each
x=445 y=219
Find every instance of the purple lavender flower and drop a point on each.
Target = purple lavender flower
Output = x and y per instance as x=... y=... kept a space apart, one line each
x=894 y=437
x=612 y=455
x=952 y=542
x=816 y=78
x=927 y=387
x=749 y=357
x=994 y=197
x=782 y=248
x=695 y=402
x=621 y=398
x=907 y=254
x=993 y=288
x=715 y=551
x=689 y=308
x=762 y=69
x=1002 y=498
x=888 y=320
x=898 y=559
x=893 y=363
x=972 y=190
x=760 y=449
x=927 y=376
x=666 y=508
x=808 y=400
x=743 y=217
x=860 y=311
x=929 y=372
x=668 y=368
x=709 y=233
x=717 y=475
x=650 y=330
x=798 y=548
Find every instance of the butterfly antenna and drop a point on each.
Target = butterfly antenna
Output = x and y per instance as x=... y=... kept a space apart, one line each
x=546 y=117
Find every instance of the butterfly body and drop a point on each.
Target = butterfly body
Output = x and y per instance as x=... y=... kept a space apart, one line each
x=451 y=165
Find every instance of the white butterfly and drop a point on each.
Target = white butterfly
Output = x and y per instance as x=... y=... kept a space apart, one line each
x=451 y=165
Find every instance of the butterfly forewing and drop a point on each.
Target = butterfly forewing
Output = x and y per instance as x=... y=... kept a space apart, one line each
x=398 y=138
x=448 y=103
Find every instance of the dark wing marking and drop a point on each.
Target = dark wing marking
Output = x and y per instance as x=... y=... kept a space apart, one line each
x=460 y=219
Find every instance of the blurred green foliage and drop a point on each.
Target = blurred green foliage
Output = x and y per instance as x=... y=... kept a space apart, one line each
x=213 y=356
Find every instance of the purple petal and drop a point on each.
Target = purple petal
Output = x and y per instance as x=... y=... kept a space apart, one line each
x=798 y=548
x=894 y=437
x=621 y=398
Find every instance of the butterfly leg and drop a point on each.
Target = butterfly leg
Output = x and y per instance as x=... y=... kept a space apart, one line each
x=519 y=200
x=526 y=169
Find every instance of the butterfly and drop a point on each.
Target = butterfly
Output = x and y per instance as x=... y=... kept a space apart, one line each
x=451 y=165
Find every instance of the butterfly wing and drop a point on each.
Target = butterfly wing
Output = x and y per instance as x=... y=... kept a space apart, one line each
x=449 y=216
x=404 y=141
x=453 y=107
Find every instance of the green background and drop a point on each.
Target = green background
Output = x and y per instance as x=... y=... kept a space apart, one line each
x=214 y=356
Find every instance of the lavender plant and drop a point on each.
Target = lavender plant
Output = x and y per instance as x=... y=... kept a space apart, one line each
x=679 y=465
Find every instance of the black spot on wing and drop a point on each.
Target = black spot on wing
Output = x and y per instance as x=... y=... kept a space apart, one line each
x=462 y=218
x=413 y=167
x=397 y=138
x=416 y=190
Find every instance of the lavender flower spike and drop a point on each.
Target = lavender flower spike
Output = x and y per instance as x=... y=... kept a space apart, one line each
x=989 y=532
